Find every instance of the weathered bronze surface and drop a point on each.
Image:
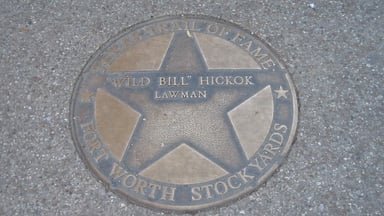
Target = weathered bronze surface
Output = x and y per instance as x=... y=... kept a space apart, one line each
x=183 y=113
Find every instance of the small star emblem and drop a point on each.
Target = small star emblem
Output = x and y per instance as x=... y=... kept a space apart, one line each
x=281 y=93
x=86 y=96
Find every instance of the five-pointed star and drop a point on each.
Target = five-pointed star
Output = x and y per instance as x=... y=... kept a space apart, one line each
x=281 y=92
x=203 y=125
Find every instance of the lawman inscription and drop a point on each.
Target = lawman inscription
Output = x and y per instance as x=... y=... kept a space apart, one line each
x=183 y=113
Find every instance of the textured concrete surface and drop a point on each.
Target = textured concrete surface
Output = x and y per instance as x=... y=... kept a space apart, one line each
x=334 y=50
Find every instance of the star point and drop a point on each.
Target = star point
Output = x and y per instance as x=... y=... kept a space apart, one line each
x=281 y=93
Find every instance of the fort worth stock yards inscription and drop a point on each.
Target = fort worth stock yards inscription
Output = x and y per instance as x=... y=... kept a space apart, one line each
x=183 y=113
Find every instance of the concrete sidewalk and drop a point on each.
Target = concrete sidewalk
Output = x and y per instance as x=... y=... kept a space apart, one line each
x=334 y=51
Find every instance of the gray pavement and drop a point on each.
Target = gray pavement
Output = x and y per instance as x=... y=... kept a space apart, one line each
x=334 y=51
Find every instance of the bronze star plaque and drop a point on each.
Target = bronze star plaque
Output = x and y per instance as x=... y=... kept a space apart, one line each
x=183 y=113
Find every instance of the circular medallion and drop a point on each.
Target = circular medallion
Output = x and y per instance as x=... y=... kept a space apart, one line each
x=183 y=113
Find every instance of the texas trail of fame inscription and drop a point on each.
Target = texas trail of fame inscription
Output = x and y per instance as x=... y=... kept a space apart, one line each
x=183 y=113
